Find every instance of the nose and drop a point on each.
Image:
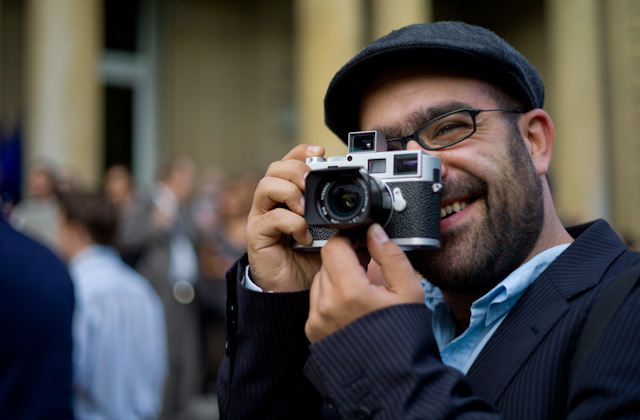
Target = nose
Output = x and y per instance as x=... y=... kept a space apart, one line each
x=413 y=145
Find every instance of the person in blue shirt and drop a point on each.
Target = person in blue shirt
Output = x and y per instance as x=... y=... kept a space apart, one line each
x=120 y=348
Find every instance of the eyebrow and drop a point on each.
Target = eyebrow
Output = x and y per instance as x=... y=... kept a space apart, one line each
x=420 y=117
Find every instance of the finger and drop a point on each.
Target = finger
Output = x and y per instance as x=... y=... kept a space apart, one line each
x=273 y=192
x=261 y=231
x=394 y=264
x=303 y=151
x=293 y=171
x=340 y=260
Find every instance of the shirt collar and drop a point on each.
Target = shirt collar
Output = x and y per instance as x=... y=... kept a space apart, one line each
x=503 y=296
x=89 y=253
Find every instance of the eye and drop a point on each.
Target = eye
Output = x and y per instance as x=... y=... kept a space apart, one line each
x=447 y=130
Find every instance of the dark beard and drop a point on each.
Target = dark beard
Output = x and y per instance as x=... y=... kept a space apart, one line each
x=476 y=259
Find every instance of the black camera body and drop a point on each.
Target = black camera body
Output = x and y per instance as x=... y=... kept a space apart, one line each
x=399 y=189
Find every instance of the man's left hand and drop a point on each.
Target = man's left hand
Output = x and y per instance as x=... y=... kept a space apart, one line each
x=341 y=292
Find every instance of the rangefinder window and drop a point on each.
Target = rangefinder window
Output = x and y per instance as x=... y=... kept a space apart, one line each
x=405 y=164
x=364 y=142
x=377 y=166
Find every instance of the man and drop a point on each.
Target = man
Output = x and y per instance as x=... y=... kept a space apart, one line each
x=158 y=237
x=120 y=355
x=36 y=308
x=507 y=291
x=36 y=214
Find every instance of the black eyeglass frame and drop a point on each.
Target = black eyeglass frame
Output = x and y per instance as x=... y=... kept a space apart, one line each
x=473 y=112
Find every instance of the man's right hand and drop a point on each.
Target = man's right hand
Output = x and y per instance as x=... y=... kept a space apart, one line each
x=276 y=215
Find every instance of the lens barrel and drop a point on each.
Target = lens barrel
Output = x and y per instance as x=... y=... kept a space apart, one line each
x=346 y=198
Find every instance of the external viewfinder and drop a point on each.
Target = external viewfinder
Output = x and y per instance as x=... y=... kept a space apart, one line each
x=367 y=142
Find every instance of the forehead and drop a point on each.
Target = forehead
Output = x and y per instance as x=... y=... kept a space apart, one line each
x=397 y=97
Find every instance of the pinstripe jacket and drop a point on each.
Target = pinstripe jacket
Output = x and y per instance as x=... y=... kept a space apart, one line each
x=386 y=365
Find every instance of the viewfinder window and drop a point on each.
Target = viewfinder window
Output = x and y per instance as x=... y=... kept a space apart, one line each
x=405 y=164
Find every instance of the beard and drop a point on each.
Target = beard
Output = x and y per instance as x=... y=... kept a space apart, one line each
x=474 y=259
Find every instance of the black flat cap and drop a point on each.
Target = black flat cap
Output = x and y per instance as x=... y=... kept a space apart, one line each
x=472 y=49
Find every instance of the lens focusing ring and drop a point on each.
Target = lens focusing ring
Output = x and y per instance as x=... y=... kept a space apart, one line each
x=354 y=200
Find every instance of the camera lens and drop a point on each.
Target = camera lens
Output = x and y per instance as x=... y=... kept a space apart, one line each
x=344 y=199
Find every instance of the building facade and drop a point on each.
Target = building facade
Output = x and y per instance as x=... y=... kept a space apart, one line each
x=235 y=84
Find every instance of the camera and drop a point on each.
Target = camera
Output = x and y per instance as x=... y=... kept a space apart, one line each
x=399 y=189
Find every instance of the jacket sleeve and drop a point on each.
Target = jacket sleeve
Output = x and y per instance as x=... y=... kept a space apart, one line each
x=261 y=375
x=386 y=365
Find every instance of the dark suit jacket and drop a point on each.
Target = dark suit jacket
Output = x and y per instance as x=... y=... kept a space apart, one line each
x=386 y=365
x=36 y=307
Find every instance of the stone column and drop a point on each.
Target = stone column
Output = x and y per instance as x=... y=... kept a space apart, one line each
x=327 y=35
x=63 y=89
x=575 y=100
x=391 y=15
x=623 y=143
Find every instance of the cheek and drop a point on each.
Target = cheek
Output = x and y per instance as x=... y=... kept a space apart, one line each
x=472 y=160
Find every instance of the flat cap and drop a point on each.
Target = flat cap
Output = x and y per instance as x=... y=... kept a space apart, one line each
x=473 y=49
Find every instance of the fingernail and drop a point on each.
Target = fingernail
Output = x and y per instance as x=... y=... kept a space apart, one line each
x=302 y=202
x=314 y=149
x=379 y=234
x=309 y=237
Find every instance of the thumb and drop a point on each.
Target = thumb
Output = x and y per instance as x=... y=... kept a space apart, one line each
x=394 y=264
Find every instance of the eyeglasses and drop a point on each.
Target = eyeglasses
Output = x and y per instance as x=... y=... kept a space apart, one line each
x=444 y=131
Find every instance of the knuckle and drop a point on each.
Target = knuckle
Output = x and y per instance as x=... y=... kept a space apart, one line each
x=324 y=308
x=263 y=184
x=273 y=166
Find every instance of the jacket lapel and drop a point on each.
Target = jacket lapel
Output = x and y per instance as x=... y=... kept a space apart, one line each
x=577 y=269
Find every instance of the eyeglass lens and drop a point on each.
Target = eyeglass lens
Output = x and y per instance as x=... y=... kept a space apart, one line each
x=441 y=131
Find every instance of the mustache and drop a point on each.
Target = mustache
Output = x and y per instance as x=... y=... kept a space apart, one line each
x=467 y=186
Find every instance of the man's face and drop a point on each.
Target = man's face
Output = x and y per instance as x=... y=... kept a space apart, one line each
x=489 y=180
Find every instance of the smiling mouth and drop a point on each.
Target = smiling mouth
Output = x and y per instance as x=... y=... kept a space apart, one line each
x=455 y=207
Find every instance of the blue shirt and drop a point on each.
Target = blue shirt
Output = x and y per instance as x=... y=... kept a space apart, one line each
x=487 y=313
x=119 y=335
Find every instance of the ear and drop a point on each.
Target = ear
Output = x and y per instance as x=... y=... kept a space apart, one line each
x=538 y=133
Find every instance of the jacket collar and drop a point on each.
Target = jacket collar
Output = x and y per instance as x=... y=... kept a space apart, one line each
x=579 y=268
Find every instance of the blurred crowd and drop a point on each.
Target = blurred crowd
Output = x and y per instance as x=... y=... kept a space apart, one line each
x=179 y=237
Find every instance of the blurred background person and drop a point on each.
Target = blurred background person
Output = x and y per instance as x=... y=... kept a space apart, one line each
x=159 y=237
x=220 y=248
x=119 y=186
x=36 y=214
x=36 y=307
x=120 y=355
x=206 y=206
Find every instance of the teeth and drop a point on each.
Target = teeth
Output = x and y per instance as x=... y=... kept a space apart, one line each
x=452 y=208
